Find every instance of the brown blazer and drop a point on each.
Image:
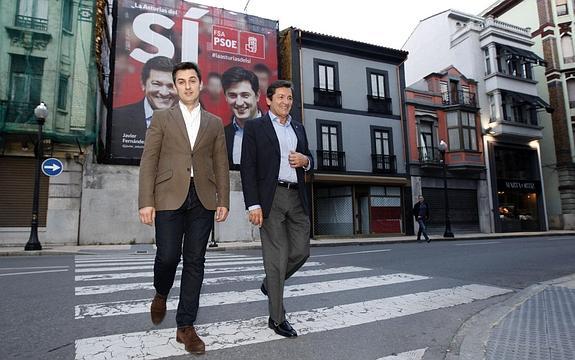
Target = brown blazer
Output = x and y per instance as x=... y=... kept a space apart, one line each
x=167 y=159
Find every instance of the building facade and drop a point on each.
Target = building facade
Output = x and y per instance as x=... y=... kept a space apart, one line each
x=47 y=57
x=498 y=56
x=350 y=97
x=443 y=107
x=551 y=30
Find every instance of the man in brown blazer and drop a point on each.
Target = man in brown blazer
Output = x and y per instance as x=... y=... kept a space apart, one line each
x=184 y=180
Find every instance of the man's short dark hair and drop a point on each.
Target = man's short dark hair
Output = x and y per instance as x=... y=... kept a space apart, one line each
x=262 y=68
x=238 y=74
x=279 y=84
x=186 y=65
x=159 y=63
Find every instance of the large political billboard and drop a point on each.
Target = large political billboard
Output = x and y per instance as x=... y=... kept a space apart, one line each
x=236 y=54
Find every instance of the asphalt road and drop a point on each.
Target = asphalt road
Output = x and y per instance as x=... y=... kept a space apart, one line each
x=348 y=302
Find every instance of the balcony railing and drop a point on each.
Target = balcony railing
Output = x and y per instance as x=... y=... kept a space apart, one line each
x=384 y=164
x=379 y=105
x=20 y=112
x=331 y=160
x=459 y=98
x=429 y=155
x=324 y=97
x=32 y=23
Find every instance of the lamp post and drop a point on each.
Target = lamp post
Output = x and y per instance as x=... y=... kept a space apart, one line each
x=442 y=150
x=41 y=113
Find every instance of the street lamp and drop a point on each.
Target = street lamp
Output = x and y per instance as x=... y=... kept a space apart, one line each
x=442 y=149
x=41 y=113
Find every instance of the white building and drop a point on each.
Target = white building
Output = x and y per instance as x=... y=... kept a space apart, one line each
x=498 y=55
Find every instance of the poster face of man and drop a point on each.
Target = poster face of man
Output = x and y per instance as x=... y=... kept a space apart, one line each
x=243 y=101
x=159 y=90
x=175 y=31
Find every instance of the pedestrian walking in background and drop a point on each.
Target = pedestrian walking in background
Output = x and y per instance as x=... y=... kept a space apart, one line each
x=421 y=213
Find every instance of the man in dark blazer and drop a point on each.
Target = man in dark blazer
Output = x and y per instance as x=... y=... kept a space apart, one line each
x=184 y=180
x=275 y=157
x=130 y=122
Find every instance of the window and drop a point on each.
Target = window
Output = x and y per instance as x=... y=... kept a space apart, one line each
x=382 y=156
x=571 y=92
x=326 y=75
x=330 y=156
x=378 y=99
x=326 y=89
x=25 y=86
x=67 y=15
x=377 y=85
x=561 y=7
x=487 y=61
x=426 y=140
x=63 y=92
x=515 y=62
x=567 y=48
x=33 y=14
x=381 y=142
x=461 y=129
x=444 y=92
x=329 y=138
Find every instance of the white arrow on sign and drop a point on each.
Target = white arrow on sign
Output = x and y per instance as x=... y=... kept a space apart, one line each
x=52 y=167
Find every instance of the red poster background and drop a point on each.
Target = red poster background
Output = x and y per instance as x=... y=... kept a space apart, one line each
x=216 y=53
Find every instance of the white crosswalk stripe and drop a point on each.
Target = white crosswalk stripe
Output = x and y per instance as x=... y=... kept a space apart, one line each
x=107 y=299
x=108 y=289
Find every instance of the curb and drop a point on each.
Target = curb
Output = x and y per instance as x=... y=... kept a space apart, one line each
x=255 y=245
x=470 y=341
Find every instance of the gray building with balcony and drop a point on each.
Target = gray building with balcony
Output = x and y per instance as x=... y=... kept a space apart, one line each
x=498 y=56
x=351 y=106
x=48 y=52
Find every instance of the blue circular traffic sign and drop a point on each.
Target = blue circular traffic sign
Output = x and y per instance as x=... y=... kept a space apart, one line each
x=52 y=167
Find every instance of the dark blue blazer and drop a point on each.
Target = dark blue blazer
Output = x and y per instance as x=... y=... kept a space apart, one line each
x=260 y=163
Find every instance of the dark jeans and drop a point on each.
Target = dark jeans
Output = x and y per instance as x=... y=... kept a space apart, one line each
x=422 y=229
x=191 y=223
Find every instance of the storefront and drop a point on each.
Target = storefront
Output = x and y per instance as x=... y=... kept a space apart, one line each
x=357 y=209
x=518 y=198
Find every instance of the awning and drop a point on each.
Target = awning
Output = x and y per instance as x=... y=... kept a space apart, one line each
x=528 y=99
x=527 y=55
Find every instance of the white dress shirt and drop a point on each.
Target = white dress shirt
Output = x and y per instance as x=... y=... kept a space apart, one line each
x=192 y=120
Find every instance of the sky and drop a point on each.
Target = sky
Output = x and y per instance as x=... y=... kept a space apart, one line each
x=380 y=22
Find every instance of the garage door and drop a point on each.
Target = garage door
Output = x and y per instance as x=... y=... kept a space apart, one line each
x=463 y=211
x=17 y=192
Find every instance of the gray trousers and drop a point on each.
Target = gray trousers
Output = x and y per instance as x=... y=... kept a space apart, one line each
x=285 y=246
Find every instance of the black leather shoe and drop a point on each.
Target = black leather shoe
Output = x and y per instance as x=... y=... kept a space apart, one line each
x=428 y=240
x=263 y=289
x=283 y=329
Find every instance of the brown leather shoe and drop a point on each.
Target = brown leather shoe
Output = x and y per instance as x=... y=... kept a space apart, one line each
x=187 y=336
x=158 y=309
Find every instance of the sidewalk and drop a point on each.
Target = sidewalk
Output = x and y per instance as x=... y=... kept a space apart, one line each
x=231 y=246
x=537 y=323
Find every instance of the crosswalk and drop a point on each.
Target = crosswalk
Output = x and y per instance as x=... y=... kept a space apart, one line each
x=119 y=288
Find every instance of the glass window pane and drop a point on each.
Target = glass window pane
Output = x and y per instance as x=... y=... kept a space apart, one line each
x=452 y=120
x=334 y=146
x=381 y=86
x=466 y=145
x=321 y=73
x=325 y=141
x=454 y=139
x=373 y=85
x=473 y=138
x=330 y=78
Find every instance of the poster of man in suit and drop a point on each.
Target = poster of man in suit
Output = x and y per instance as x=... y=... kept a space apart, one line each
x=174 y=31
